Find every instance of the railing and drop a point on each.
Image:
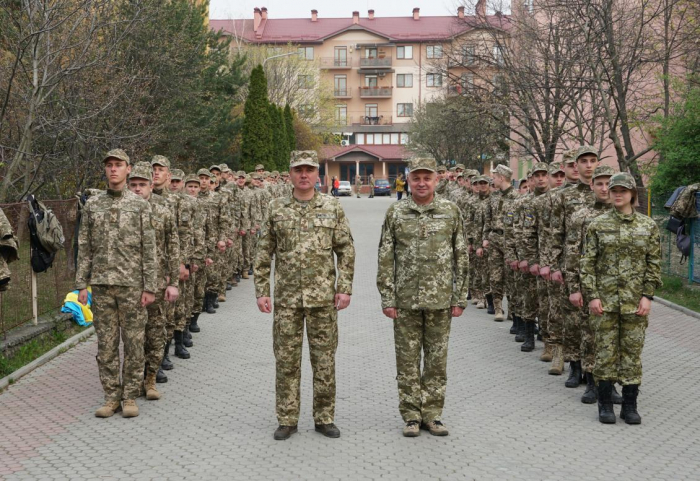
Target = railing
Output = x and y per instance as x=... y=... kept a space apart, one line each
x=336 y=63
x=376 y=92
x=375 y=120
x=375 y=62
x=342 y=93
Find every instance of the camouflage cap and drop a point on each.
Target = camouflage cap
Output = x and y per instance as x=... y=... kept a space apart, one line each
x=623 y=179
x=160 y=160
x=569 y=157
x=142 y=170
x=177 y=174
x=191 y=178
x=215 y=167
x=423 y=163
x=225 y=170
x=460 y=175
x=303 y=157
x=471 y=173
x=259 y=167
x=274 y=173
x=255 y=176
x=555 y=167
x=504 y=170
x=489 y=180
x=441 y=169
x=285 y=174
x=603 y=171
x=586 y=149
x=480 y=179
x=460 y=166
x=204 y=172
x=453 y=169
x=241 y=173
x=223 y=166
x=540 y=167
x=117 y=154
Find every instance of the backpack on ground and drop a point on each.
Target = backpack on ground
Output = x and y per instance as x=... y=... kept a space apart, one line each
x=45 y=235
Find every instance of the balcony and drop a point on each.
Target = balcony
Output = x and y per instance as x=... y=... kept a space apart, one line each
x=375 y=120
x=375 y=62
x=332 y=63
x=342 y=94
x=376 y=92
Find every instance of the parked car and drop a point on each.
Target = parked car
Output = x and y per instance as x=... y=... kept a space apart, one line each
x=382 y=187
x=344 y=188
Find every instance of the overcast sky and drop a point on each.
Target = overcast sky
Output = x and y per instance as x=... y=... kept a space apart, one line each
x=220 y=9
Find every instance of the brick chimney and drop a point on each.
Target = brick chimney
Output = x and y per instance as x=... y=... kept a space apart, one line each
x=416 y=13
x=263 y=11
x=481 y=9
x=460 y=12
x=370 y=14
x=257 y=18
x=355 y=18
x=314 y=15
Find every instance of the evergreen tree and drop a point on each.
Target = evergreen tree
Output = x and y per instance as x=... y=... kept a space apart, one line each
x=257 y=145
x=289 y=124
x=286 y=151
x=279 y=136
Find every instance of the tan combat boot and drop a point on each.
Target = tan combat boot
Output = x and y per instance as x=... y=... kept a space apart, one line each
x=481 y=304
x=436 y=428
x=130 y=409
x=498 y=307
x=152 y=393
x=245 y=274
x=411 y=429
x=108 y=409
x=222 y=298
x=557 y=367
x=547 y=353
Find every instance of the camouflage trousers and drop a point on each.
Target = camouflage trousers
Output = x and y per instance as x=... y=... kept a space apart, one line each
x=481 y=275
x=572 y=332
x=587 y=339
x=543 y=307
x=118 y=314
x=558 y=301
x=4 y=274
x=288 y=339
x=248 y=244
x=496 y=267
x=215 y=271
x=530 y=297
x=511 y=284
x=426 y=332
x=619 y=340
x=184 y=304
x=155 y=334
x=199 y=288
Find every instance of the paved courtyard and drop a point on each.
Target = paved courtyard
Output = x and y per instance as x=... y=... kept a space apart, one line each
x=508 y=419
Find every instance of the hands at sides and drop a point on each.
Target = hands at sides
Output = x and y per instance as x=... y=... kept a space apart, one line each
x=341 y=301
x=595 y=307
x=147 y=298
x=265 y=304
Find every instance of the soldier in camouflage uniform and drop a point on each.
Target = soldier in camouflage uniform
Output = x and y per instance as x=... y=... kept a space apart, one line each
x=620 y=270
x=481 y=264
x=575 y=241
x=493 y=240
x=358 y=185
x=422 y=242
x=219 y=215
x=303 y=232
x=204 y=243
x=442 y=180
x=117 y=257
x=216 y=241
x=8 y=251
x=168 y=262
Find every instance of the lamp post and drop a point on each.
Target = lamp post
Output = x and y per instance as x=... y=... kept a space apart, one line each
x=279 y=55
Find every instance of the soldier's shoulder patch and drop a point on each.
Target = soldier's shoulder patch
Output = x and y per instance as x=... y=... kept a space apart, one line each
x=441 y=216
x=326 y=215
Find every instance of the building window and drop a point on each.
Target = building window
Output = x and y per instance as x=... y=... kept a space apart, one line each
x=386 y=139
x=498 y=55
x=529 y=5
x=394 y=139
x=347 y=172
x=404 y=139
x=378 y=139
x=340 y=58
x=434 y=51
x=467 y=81
x=306 y=81
x=469 y=55
x=366 y=170
x=404 y=110
x=434 y=80
x=371 y=52
x=341 y=86
x=371 y=110
x=306 y=53
x=369 y=139
x=370 y=80
x=405 y=52
x=359 y=139
x=341 y=114
x=404 y=80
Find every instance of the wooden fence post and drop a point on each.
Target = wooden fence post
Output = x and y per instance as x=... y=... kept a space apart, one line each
x=35 y=299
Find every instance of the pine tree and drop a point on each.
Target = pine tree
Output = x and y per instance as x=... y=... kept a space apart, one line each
x=279 y=136
x=284 y=143
x=257 y=147
x=289 y=124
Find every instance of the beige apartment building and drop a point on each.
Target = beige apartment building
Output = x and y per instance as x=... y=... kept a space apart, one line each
x=380 y=69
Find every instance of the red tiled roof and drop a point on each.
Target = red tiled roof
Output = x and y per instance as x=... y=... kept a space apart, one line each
x=399 y=29
x=382 y=152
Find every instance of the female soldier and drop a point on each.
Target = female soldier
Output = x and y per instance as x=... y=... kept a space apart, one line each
x=620 y=269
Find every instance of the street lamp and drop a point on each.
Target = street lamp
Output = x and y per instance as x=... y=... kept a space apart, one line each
x=280 y=55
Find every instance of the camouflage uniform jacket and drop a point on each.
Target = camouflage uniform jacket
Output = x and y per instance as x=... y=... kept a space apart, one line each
x=117 y=243
x=202 y=233
x=167 y=242
x=466 y=204
x=621 y=261
x=216 y=218
x=479 y=218
x=534 y=227
x=575 y=241
x=513 y=248
x=182 y=207
x=494 y=213
x=423 y=257
x=564 y=204
x=233 y=218
x=8 y=250
x=256 y=207
x=303 y=236
x=244 y=198
x=441 y=187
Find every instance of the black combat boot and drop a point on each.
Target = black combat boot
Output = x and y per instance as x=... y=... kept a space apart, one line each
x=538 y=332
x=187 y=338
x=514 y=327
x=469 y=295
x=489 y=304
x=629 y=404
x=194 y=327
x=228 y=286
x=215 y=300
x=616 y=398
x=166 y=364
x=529 y=344
x=591 y=394
x=209 y=309
x=606 y=413
x=522 y=328
x=180 y=350
x=574 y=374
x=161 y=377
x=250 y=271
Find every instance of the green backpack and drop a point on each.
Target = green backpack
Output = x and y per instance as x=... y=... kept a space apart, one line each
x=684 y=206
x=48 y=228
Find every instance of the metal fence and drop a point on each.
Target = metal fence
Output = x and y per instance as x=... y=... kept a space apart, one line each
x=670 y=255
x=23 y=301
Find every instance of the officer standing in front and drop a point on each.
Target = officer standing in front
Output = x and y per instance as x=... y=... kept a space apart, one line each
x=117 y=257
x=302 y=232
x=423 y=281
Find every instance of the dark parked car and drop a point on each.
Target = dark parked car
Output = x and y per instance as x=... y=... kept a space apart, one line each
x=382 y=187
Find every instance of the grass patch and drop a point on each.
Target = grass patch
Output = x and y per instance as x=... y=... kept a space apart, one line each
x=35 y=348
x=679 y=292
